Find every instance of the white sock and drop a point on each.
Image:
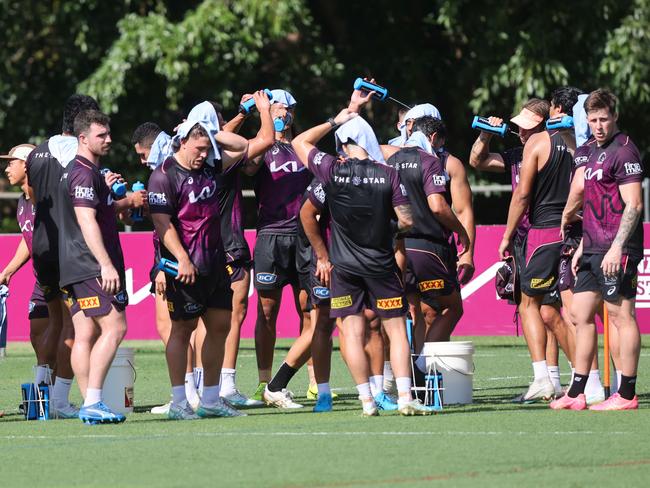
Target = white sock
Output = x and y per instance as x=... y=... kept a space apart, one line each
x=364 y=390
x=593 y=381
x=227 y=381
x=43 y=374
x=178 y=394
x=324 y=389
x=198 y=380
x=388 y=371
x=554 y=374
x=190 y=392
x=93 y=395
x=403 y=389
x=376 y=384
x=61 y=392
x=540 y=370
x=210 y=395
x=616 y=382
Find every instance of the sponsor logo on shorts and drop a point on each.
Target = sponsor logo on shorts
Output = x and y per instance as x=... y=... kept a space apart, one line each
x=536 y=283
x=611 y=291
x=431 y=285
x=389 y=303
x=341 y=302
x=121 y=297
x=84 y=192
x=321 y=292
x=88 y=302
x=192 y=307
x=229 y=269
x=266 y=278
x=157 y=198
x=170 y=306
x=32 y=306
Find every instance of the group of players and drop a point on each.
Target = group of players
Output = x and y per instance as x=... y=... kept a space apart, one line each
x=363 y=237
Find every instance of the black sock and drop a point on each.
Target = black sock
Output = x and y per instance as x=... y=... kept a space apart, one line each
x=578 y=385
x=282 y=378
x=627 y=388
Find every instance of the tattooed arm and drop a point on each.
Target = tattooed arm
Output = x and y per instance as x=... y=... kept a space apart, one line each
x=404 y=217
x=632 y=195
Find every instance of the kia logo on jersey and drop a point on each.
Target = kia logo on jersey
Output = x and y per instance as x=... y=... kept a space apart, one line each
x=205 y=193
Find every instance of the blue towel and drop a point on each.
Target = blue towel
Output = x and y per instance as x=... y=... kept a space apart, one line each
x=63 y=148
x=205 y=115
x=397 y=141
x=420 y=140
x=580 y=125
x=363 y=136
x=161 y=149
x=415 y=113
x=283 y=97
x=4 y=293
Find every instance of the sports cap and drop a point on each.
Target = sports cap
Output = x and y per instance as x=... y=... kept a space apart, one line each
x=21 y=151
x=527 y=119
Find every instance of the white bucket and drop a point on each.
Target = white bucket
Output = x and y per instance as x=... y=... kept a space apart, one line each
x=455 y=361
x=118 y=385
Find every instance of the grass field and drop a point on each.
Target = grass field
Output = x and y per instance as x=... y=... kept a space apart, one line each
x=491 y=442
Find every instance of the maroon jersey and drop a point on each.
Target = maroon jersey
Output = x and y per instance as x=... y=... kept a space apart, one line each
x=609 y=166
x=361 y=195
x=25 y=213
x=190 y=197
x=279 y=186
x=512 y=159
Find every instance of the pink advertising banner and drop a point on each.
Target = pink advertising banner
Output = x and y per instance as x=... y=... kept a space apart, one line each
x=484 y=314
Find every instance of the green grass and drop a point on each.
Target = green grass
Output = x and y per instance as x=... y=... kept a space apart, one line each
x=488 y=443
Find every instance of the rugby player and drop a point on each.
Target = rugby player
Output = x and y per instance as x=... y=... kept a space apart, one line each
x=44 y=168
x=605 y=263
x=152 y=145
x=184 y=206
x=280 y=181
x=362 y=196
x=92 y=264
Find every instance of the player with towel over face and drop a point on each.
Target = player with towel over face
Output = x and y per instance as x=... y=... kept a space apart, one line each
x=280 y=181
x=363 y=195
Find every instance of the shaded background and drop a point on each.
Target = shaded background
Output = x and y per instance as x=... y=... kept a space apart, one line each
x=154 y=59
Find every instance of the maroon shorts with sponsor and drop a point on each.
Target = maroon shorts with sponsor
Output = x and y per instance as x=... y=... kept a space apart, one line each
x=37 y=304
x=539 y=269
x=430 y=269
x=351 y=294
x=88 y=297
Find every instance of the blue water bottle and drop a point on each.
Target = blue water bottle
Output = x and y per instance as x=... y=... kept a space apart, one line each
x=168 y=266
x=564 y=122
x=136 y=213
x=118 y=188
x=246 y=107
x=481 y=123
x=381 y=93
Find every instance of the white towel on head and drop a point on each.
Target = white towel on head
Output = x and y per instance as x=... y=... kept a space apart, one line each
x=204 y=115
x=63 y=148
x=363 y=136
x=161 y=149
x=420 y=140
x=397 y=141
x=580 y=125
x=283 y=97
x=416 y=112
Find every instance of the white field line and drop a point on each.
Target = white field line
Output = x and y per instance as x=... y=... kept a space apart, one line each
x=310 y=434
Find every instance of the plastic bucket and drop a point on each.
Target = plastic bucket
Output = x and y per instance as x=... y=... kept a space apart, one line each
x=455 y=360
x=118 y=385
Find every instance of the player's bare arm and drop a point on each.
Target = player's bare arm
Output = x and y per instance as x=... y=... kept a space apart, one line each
x=574 y=201
x=93 y=236
x=170 y=239
x=307 y=140
x=461 y=196
x=404 y=217
x=309 y=218
x=480 y=156
x=233 y=147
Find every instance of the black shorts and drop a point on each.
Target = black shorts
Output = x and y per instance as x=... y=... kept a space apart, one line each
x=50 y=292
x=275 y=261
x=319 y=294
x=352 y=294
x=88 y=296
x=430 y=269
x=550 y=298
x=539 y=268
x=238 y=262
x=566 y=280
x=37 y=304
x=590 y=277
x=186 y=302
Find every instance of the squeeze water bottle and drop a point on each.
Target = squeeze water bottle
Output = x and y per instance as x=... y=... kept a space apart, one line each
x=168 y=266
x=564 y=122
x=381 y=93
x=136 y=213
x=246 y=107
x=481 y=123
x=118 y=188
